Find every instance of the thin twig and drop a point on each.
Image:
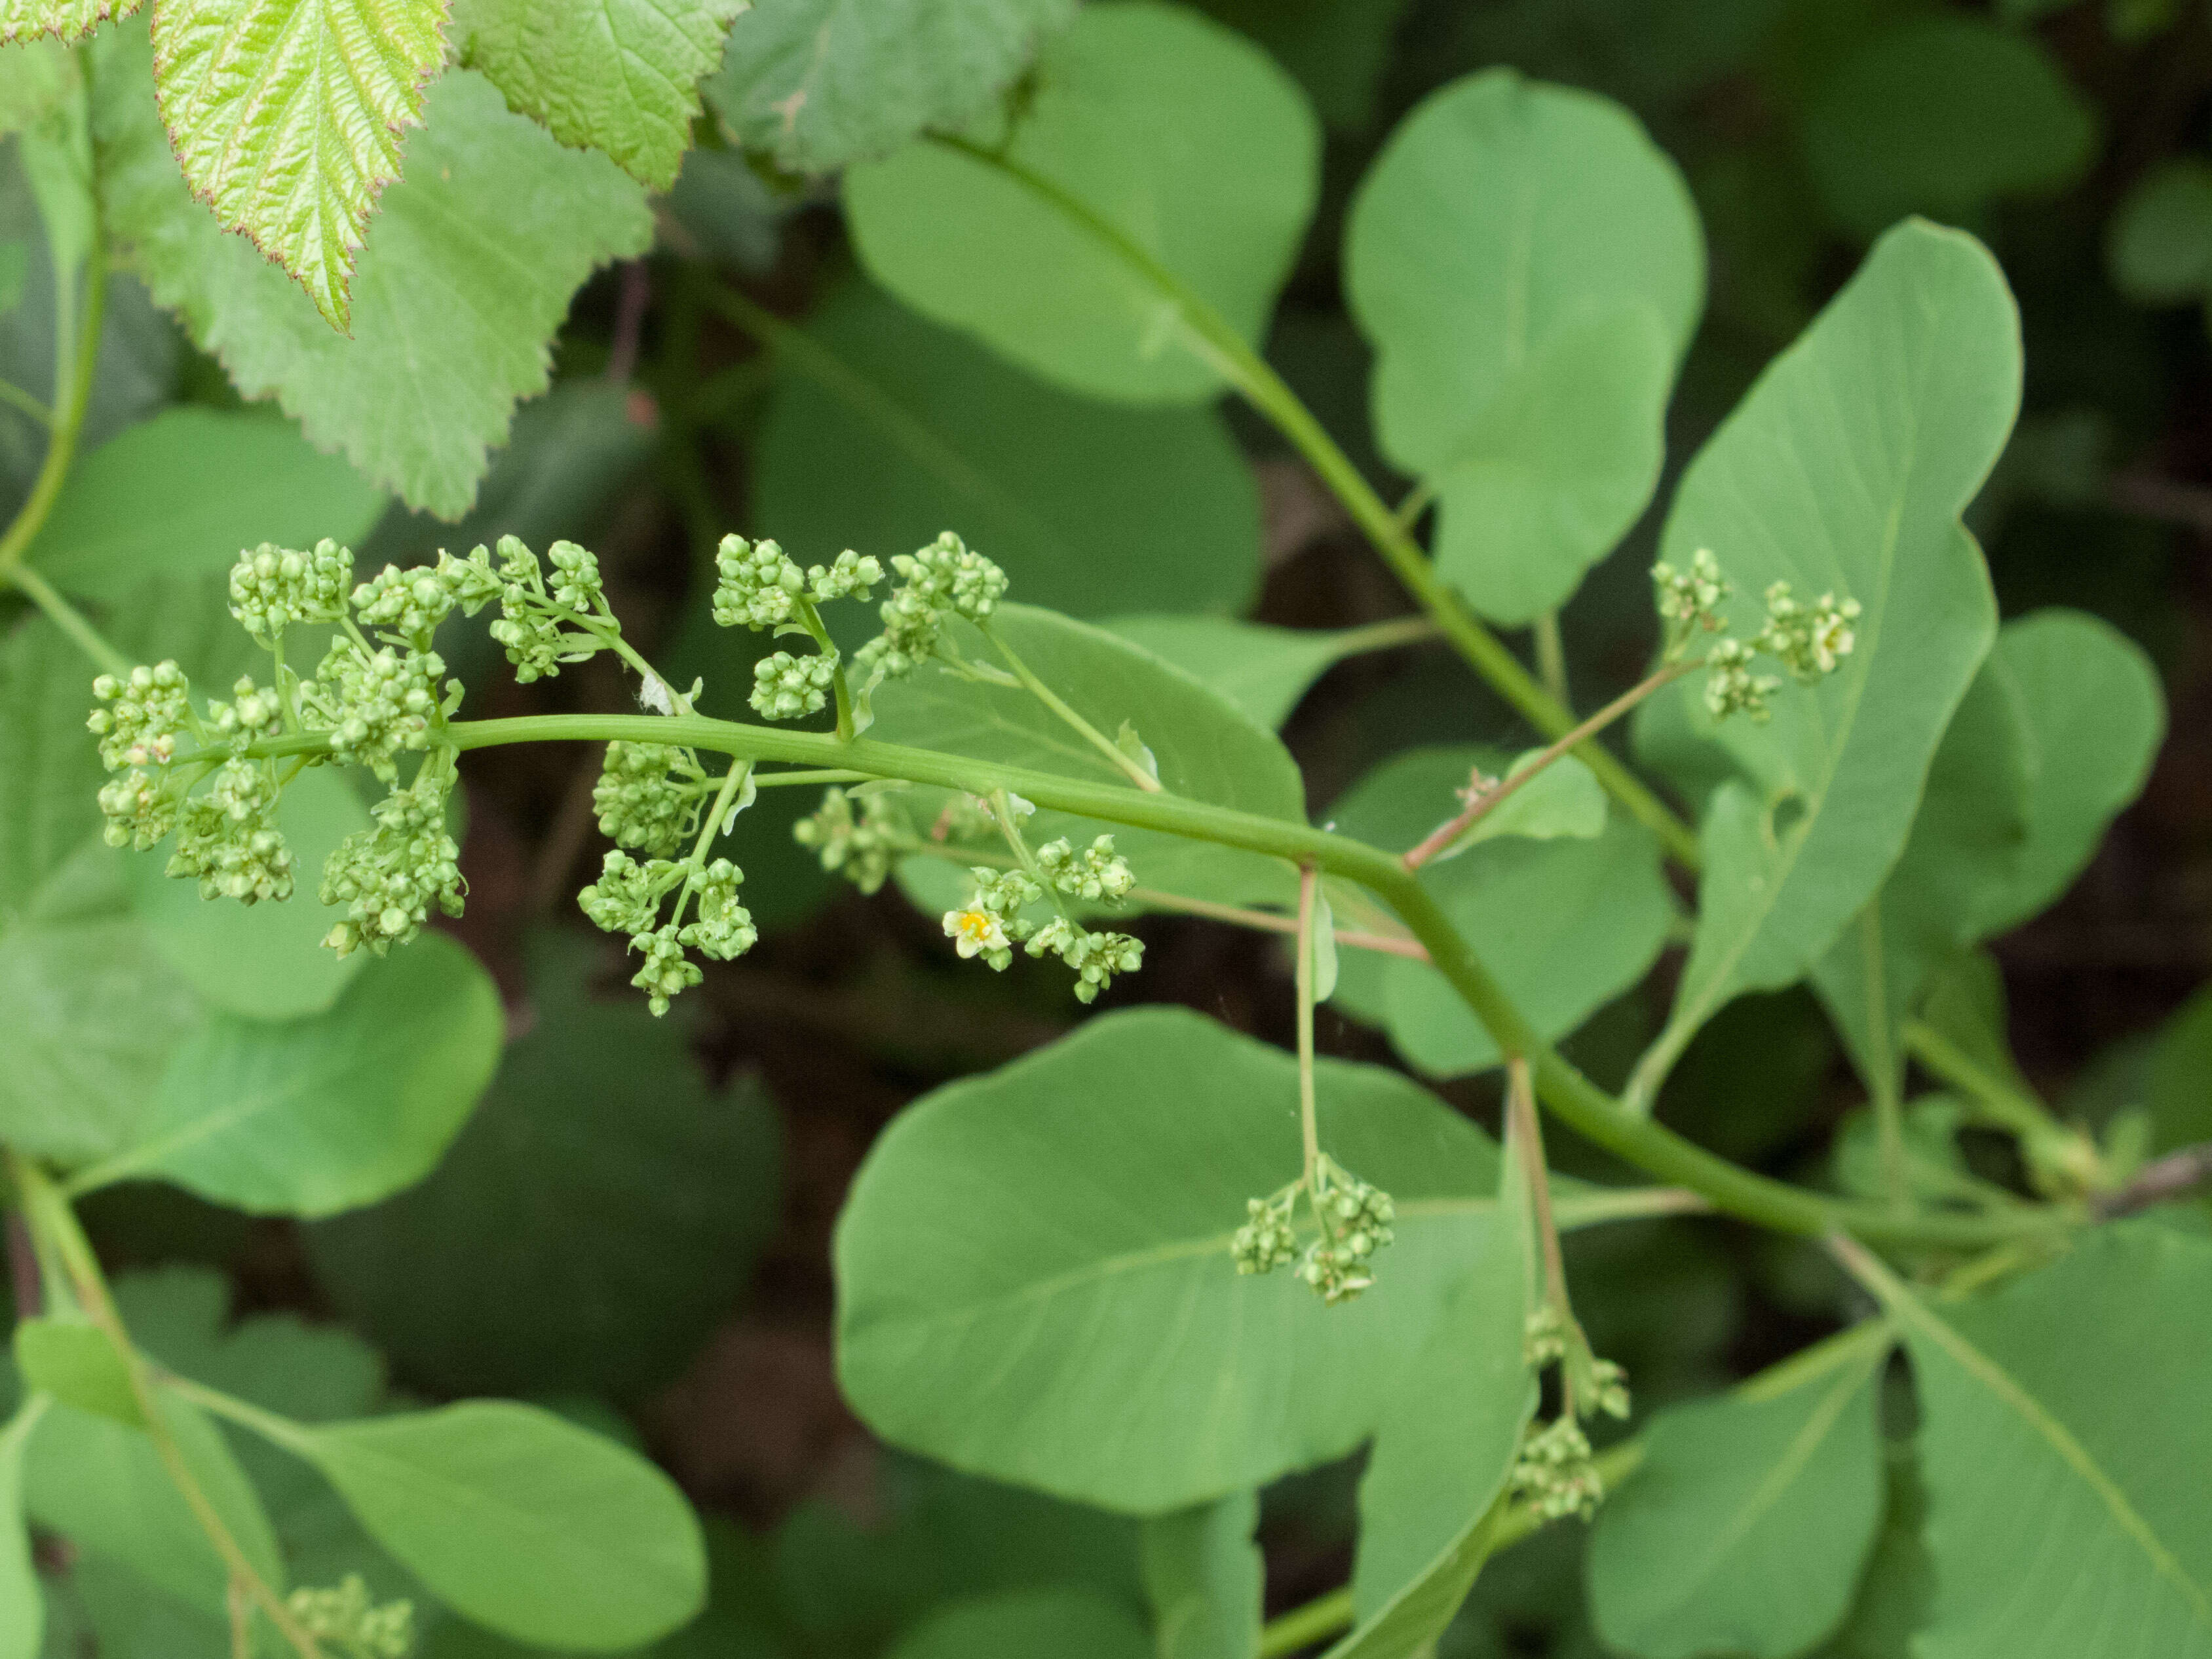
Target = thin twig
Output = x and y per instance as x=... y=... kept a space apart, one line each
x=2161 y=1179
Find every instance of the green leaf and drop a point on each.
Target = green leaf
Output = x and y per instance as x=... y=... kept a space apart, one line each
x=1034 y=1281
x=819 y=83
x=1264 y=672
x=52 y=808
x=1066 y=1623
x=608 y=1201
x=1566 y=923
x=1934 y=1169
x=22 y=1612
x=622 y=76
x=468 y=270
x=2159 y=247
x=2065 y=1418
x=263 y=961
x=104 y=1487
x=1529 y=266
x=1207 y=750
x=140 y=504
x=66 y=19
x=1944 y=115
x=1895 y=1589
x=1964 y=849
x=2095 y=716
x=1745 y=1524
x=286 y=115
x=518 y=1520
x=315 y=1116
x=2180 y=1092
x=1446 y=1445
x=77 y=1364
x=1205 y=1578
x=1081 y=235
x=884 y=429
x=1844 y=470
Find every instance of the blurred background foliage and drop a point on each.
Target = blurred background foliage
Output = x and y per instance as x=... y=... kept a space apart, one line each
x=637 y=1220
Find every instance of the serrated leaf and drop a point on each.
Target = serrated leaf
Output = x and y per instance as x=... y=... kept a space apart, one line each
x=884 y=428
x=1205 y=1578
x=620 y=75
x=1096 y=167
x=1529 y=266
x=140 y=506
x=820 y=83
x=467 y=271
x=1844 y=471
x=286 y=116
x=65 y=20
x=518 y=1520
x=610 y=1202
x=1033 y=1270
x=314 y=1115
x=2066 y=1418
x=1745 y=1526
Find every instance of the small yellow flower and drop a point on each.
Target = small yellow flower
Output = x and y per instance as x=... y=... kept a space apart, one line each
x=974 y=932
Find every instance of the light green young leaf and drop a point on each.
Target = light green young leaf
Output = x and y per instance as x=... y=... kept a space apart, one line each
x=22 y=1603
x=884 y=429
x=1529 y=266
x=1964 y=848
x=1081 y=235
x=263 y=961
x=74 y=1361
x=287 y=114
x=1262 y=671
x=1207 y=750
x=820 y=83
x=138 y=506
x=1843 y=470
x=2159 y=247
x=2067 y=1418
x=610 y=1203
x=621 y=75
x=315 y=1116
x=1944 y=114
x=1035 y=1273
x=105 y=1488
x=518 y=1520
x=65 y=20
x=2095 y=715
x=1445 y=1446
x=468 y=270
x=1567 y=923
x=1206 y=1580
x=1748 y=1519
x=1067 y=1624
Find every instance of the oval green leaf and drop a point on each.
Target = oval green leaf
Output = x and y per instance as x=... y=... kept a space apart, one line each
x=1158 y=159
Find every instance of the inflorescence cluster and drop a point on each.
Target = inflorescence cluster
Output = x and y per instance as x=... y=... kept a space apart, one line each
x=351 y=1622
x=1808 y=641
x=1353 y=1220
x=213 y=776
x=1555 y=1471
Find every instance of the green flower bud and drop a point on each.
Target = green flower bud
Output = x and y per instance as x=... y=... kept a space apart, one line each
x=724 y=929
x=648 y=796
x=852 y=577
x=374 y=705
x=1096 y=957
x=626 y=898
x=1730 y=686
x=347 y=1618
x=1809 y=641
x=152 y=708
x=1555 y=1473
x=861 y=847
x=757 y=586
x=1267 y=1241
x=940 y=581
x=1690 y=601
x=388 y=876
x=272 y=588
x=228 y=837
x=668 y=971
x=1095 y=873
x=785 y=687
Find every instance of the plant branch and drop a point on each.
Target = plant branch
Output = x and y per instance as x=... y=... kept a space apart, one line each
x=1551 y=657
x=16 y=397
x=1082 y=727
x=1211 y=338
x=51 y=1218
x=71 y=620
x=2161 y=1179
x=72 y=394
x=1308 y=1121
x=1488 y=801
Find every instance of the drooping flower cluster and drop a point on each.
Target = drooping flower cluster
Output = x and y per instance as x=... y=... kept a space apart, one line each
x=351 y=1621
x=1555 y=1471
x=1809 y=641
x=992 y=921
x=227 y=837
x=1353 y=1220
x=273 y=587
x=939 y=583
x=388 y=876
x=648 y=796
x=626 y=899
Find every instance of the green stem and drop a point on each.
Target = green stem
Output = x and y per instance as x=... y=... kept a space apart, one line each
x=2000 y=1102
x=1551 y=657
x=1082 y=727
x=16 y=397
x=72 y=394
x=71 y=620
x=817 y=775
x=811 y=618
x=1308 y=1121
x=1383 y=635
x=1308 y=1625
x=1221 y=346
x=1588 y=1110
